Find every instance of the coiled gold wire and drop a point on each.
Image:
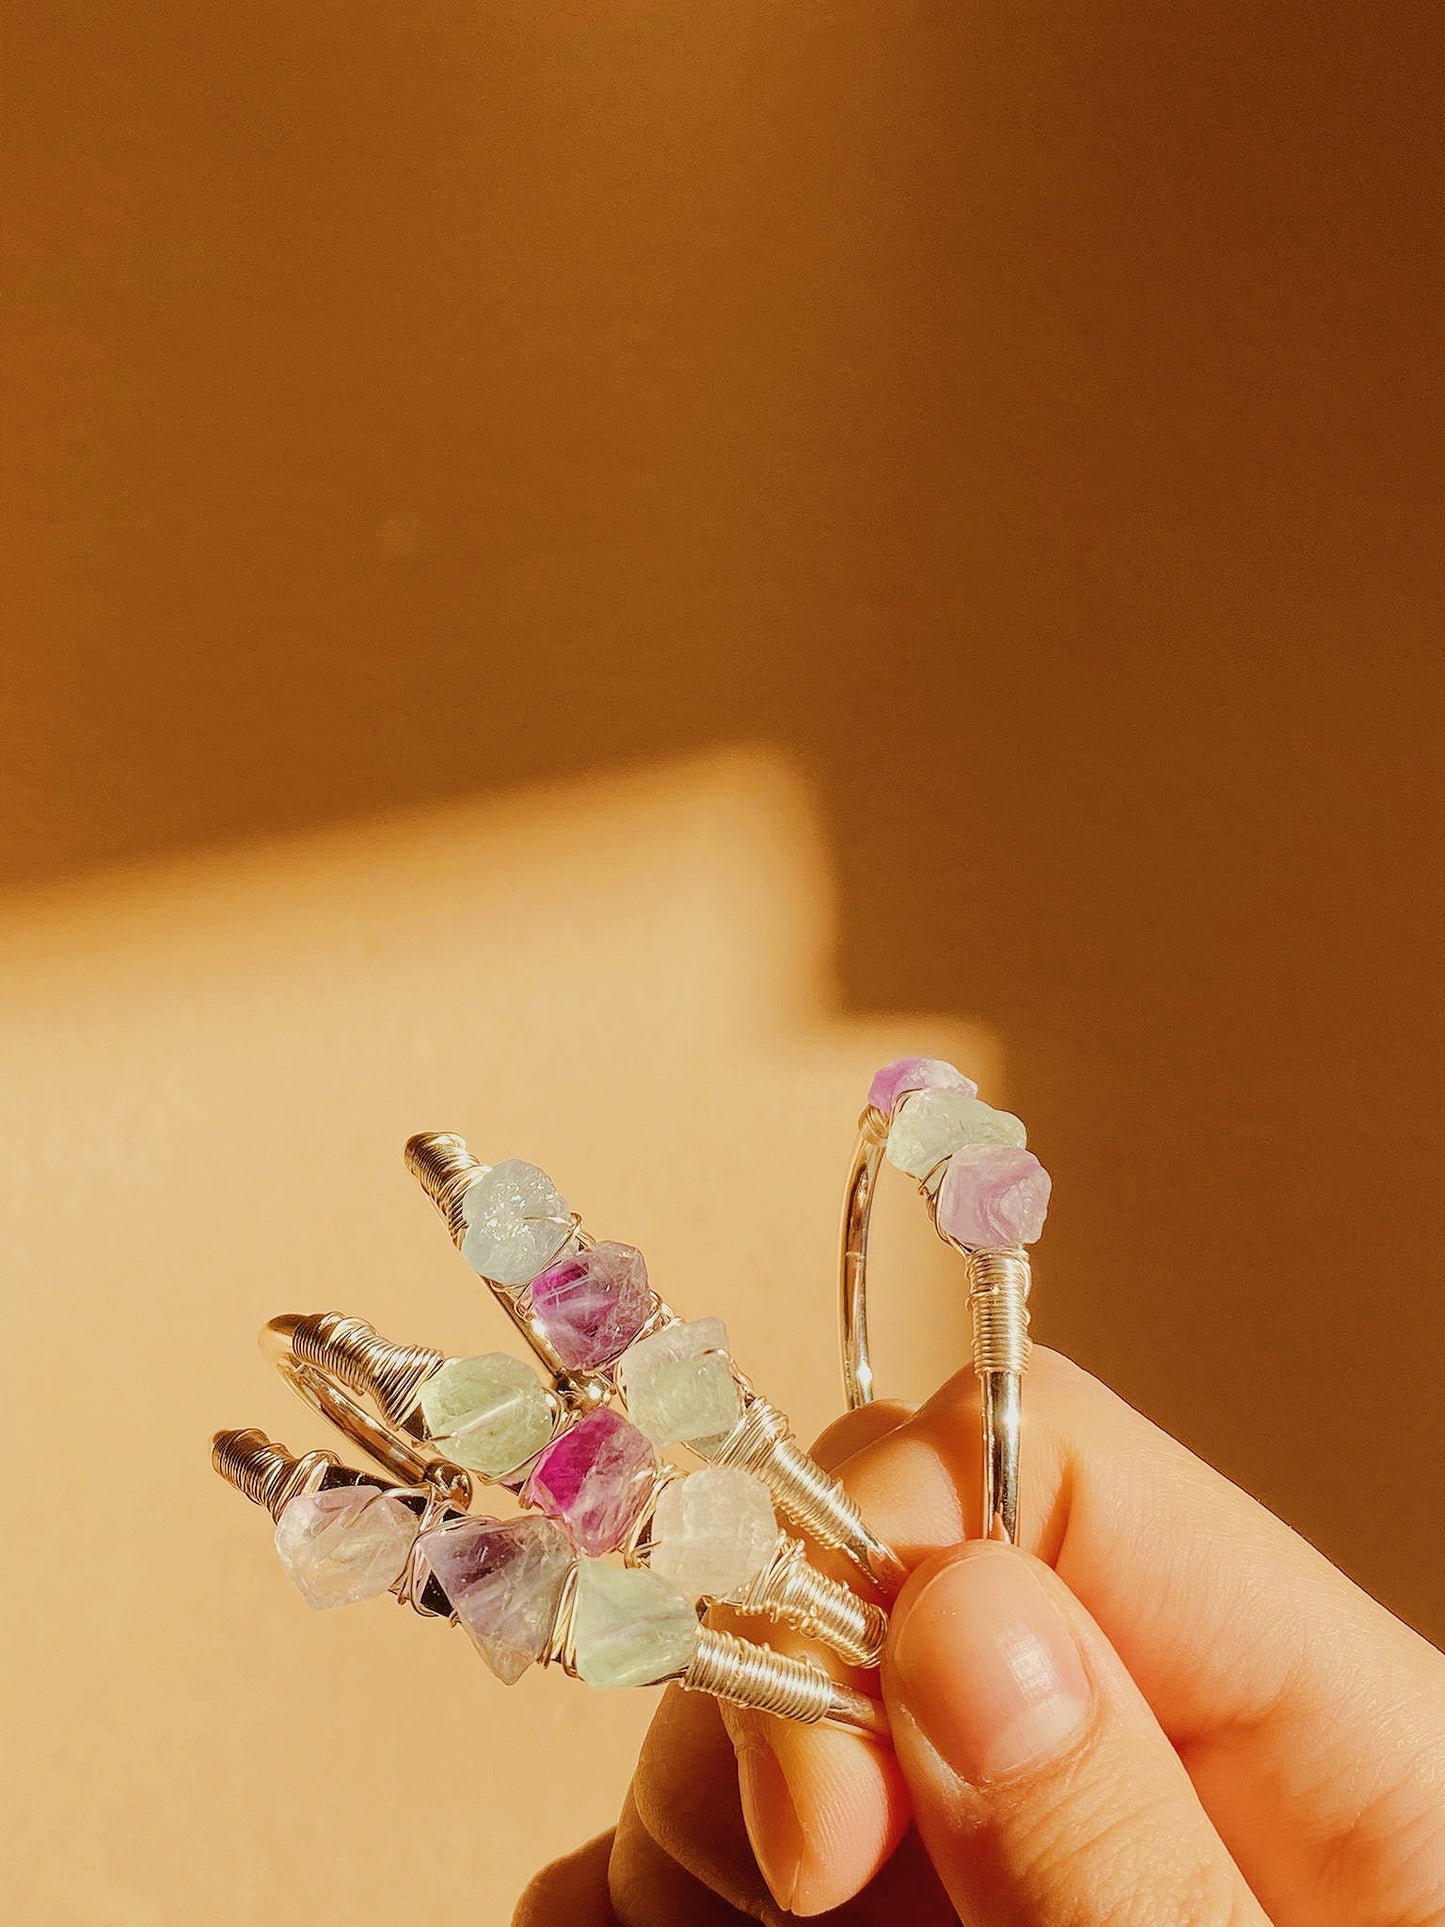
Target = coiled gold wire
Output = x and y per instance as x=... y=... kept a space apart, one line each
x=999 y=1284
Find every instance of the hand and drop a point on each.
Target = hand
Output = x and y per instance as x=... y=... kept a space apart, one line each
x=1175 y=1714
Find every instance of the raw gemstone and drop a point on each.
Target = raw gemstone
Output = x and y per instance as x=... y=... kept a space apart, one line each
x=593 y=1304
x=344 y=1545
x=594 y=1477
x=713 y=1531
x=504 y=1582
x=906 y=1074
x=679 y=1384
x=630 y=1628
x=993 y=1195
x=931 y=1125
x=517 y=1222
x=490 y=1414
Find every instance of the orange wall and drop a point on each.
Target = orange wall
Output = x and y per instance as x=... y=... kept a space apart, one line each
x=580 y=572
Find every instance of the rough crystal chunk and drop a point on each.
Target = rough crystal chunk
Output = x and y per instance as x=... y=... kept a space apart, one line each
x=490 y=1414
x=504 y=1582
x=630 y=1627
x=931 y=1125
x=906 y=1074
x=594 y=1477
x=679 y=1385
x=344 y=1545
x=593 y=1304
x=713 y=1531
x=517 y=1222
x=993 y=1195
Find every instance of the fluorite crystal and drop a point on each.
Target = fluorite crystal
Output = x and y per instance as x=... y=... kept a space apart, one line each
x=931 y=1125
x=993 y=1195
x=630 y=1627
x=713 y=1531
x=679 y=1385
x=915 y=1074
x=490 y=1414
x=594 y=1477
x=593 y=1304
x=504 y=1582
x=344 y=1545
x=517 y=1222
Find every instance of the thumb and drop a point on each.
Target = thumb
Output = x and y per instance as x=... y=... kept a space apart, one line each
x=1042 y=1785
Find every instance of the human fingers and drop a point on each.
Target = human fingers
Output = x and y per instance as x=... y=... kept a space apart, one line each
x=571 y=1892
x=1311 y=1721
x=824 y=1809
x=1042 y=1784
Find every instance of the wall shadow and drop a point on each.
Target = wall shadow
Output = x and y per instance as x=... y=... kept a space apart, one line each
x=1030 y=426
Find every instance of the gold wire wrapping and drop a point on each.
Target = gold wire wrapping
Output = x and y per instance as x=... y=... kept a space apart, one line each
x=762 y=1443
x=999 y=1283
x=352 y=1350
x=266 y=1473
x=446 y=1170
x=791 y=1589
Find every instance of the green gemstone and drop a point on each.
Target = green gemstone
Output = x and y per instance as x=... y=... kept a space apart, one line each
x=932 y=1125
x=679 y=1383
x=490 y=1414
x=629 y=1628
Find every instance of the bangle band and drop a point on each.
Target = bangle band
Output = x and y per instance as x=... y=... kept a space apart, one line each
x=711 y=1533
x=593 y=1320
x=987 y=1196
x=345 y=1535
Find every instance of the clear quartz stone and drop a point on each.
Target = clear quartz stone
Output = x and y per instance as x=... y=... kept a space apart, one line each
x=713 y=1531
x=630 y=1627
x=490 y=1414
x=517 y=1223
x=931 y=1125
x=504 y=1581
x=344 y=1545
x=679 y=1384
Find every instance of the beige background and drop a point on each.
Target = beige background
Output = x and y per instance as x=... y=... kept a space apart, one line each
x=583 y=573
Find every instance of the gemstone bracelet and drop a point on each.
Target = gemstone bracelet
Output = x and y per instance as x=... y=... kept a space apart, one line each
x=710 y=1533
x=591 y=1316
x=520 y=1587
x=987 y=1196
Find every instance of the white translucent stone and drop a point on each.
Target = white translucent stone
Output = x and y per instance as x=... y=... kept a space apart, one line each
x=679 y=1384
x=713 y=1531
x=629 y=1627
x=517 y=1223
x=489 y=1414
x=344 y=1545
x=931 y=1125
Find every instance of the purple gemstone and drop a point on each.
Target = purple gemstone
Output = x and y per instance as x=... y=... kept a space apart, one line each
x=594 y=1478
x=993 y=1196
x=907 y=1074
x=593 y=1304
x=504 y=1583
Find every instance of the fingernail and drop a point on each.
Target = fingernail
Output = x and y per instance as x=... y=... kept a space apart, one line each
x=772 y=1819
x=987 y=1668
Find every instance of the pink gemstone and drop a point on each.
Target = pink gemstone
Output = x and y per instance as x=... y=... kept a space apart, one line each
x=594 y=1478
x=907 y=1074
x=504 y=1583
x=993 y=1195
x=593 y=1304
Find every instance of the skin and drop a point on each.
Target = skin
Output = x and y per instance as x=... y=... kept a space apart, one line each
x=1261 y=1741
